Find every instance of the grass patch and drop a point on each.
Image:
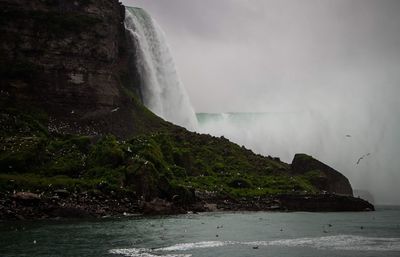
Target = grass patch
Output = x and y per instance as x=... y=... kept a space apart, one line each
x=160 y=164
x=35 y=183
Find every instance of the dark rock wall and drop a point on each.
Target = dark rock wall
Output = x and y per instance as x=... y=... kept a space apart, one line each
x=329 y=180
x=326 y=202
x=73 y=61
x=70 y=59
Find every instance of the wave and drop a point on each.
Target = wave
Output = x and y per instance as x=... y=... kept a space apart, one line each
x=197 y=245
x=338 y=242
x=143 y=252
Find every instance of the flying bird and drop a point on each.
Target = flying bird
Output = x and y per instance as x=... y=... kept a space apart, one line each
x=114 y=110
x=362 y=157
x=348 y=135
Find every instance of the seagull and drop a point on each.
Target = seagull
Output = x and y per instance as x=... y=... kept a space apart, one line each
x=114 y=110
x=362 y=157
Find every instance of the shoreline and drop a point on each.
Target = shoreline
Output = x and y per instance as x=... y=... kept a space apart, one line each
x=63 y=205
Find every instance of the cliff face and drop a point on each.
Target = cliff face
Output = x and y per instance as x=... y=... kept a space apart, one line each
x=66 y=76
x=69 y=59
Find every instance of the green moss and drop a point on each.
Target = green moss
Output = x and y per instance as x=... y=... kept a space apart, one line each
x=107 y=152
x=35 y=183
x=19 y=154
x=82 y=142
x=160 y=164
x=14 y=122
x=178 y=172
x=151 y=151
x=70 y=164
x=240 y=183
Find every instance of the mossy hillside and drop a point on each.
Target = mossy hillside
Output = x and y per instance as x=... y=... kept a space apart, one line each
x=163 y=164
x=216 y=165
x=26 y=123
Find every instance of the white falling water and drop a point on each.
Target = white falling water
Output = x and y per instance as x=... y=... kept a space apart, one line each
x=162 y=91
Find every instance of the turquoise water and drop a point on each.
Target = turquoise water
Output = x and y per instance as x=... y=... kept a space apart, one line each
x=211 y=234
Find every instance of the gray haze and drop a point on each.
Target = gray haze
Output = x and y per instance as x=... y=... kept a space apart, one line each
x=336 y=63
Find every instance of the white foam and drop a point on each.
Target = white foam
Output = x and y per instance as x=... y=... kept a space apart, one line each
x=337 y=242
x=342 y=242
x=143 y=252
x=197 y=245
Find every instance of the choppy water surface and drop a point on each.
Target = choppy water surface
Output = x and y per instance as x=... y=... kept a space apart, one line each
x=211 y=234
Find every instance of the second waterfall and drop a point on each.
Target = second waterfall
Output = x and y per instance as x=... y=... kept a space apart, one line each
x=161 y=89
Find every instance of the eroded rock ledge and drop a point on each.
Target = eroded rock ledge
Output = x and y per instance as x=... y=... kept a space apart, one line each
x=62 y=204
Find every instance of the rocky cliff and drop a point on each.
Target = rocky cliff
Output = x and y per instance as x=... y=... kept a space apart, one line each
x=324 y=177
x=75 y=135
x=69 y=59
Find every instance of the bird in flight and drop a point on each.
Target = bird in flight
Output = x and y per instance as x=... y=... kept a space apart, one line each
x=362 y=157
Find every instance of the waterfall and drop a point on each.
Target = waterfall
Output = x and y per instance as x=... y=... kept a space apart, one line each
x=161 y=89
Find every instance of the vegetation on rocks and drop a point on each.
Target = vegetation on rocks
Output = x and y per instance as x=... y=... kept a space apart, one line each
x=75 y=138
x=157 y=165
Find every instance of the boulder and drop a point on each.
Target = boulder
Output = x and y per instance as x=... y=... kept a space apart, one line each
x=26 y=198
x=69 y=212
x=160 y=207
x=324 y=178
x=62 y=193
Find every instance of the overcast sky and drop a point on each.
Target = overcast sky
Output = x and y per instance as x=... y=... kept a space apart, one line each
x=339 y=59
x=244 y=53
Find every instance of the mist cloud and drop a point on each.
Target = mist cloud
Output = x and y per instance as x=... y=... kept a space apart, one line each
x=336 y=63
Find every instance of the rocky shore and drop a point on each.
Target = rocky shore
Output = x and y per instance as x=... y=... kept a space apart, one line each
x=291 y=203
x=63 y=204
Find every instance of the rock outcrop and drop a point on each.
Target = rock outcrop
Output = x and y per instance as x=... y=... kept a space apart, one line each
x=324 y=177
x=323 y=203
x=161 y=207
x=70 y=60
x=67 y=82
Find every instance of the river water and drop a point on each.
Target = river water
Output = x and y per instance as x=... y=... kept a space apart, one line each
x=210 y=235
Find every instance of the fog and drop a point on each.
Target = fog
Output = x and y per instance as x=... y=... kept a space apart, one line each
x=317 y=70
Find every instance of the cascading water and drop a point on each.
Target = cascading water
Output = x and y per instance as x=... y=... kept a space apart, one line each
x=161 y=89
